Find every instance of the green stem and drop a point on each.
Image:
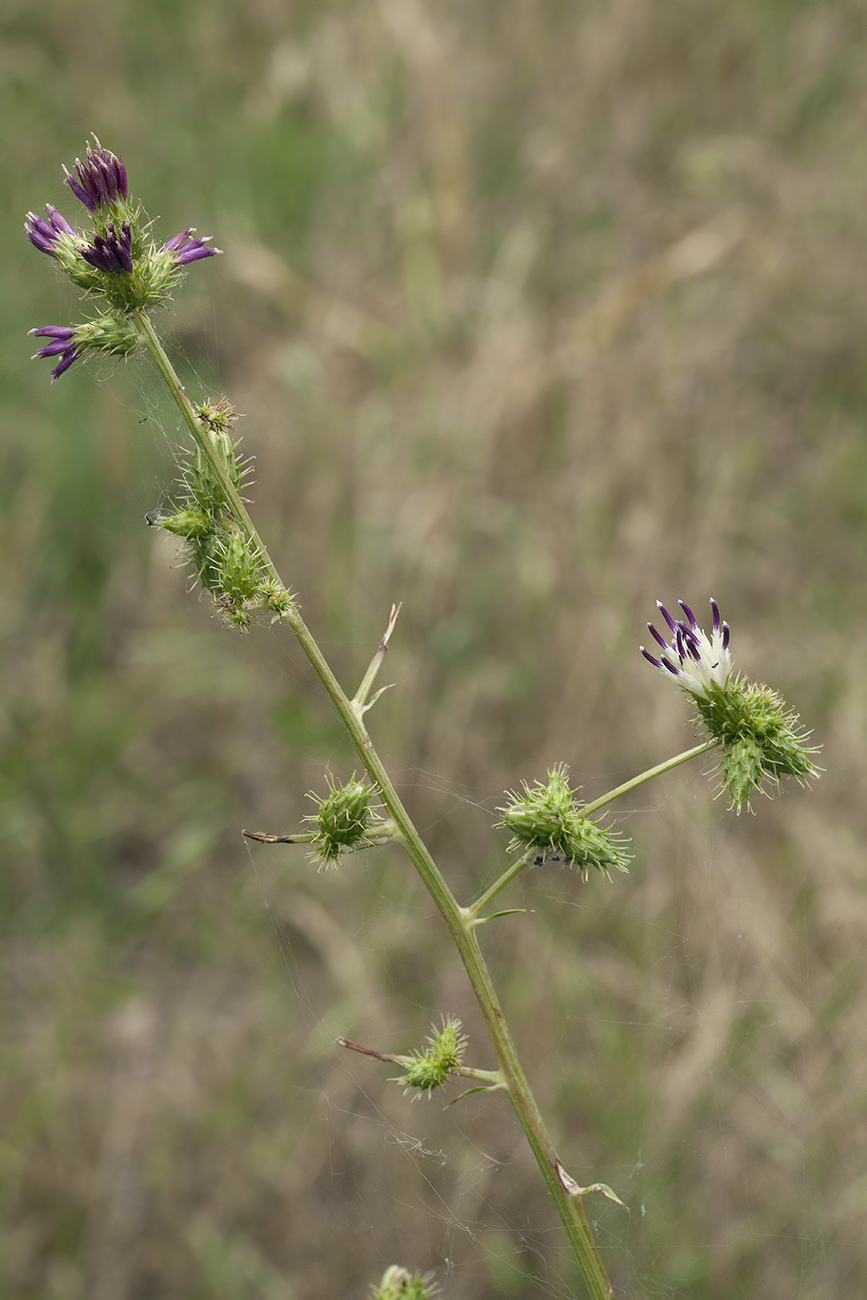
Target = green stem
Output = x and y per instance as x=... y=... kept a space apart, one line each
x=459 y=920
x=648 y=776
x=474 y=910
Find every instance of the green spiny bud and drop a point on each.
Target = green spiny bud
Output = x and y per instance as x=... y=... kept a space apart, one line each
x=202 y=552
x=344 y=820
x=219 y=415
x=431 y=1067
x=200 y=484
x=237 y=569
x=187 y=522
x=276 y=598
x=398 y=1284
x=550 y=819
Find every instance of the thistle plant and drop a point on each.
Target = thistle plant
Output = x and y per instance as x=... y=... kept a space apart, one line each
x=127 y=275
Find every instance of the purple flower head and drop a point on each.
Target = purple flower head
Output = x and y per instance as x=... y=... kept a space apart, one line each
x=101 y=178
x=63 y=345
x=113 y=252
x=186 y=249
x=44 y=233
x=699 y=662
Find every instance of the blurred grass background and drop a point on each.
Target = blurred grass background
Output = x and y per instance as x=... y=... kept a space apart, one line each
x=539 y=311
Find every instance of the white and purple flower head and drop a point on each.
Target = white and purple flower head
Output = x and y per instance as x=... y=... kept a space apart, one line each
x=698 y=662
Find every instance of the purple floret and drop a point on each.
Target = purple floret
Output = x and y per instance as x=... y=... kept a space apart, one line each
x=112 y=253
x=186 y=249
x=43 y=233
x=63 y=345
x=101 y=178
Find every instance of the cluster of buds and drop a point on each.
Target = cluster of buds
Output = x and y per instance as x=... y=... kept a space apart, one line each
x=398 y=1284
x=549 y=820
x=116 y=259
x=224 y=561
x=759 y=739
x=345 y=821
x=435 y=1064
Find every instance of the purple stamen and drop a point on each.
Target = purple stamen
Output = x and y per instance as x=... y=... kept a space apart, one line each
x=656 y=636
x=675 y=672
x=686 y=609
x=715 y=609
x=649 y=657
x=665 y=614
x=726 y=634
x=691 y=639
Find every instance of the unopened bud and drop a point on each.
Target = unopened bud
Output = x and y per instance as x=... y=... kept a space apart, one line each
x=550 y=819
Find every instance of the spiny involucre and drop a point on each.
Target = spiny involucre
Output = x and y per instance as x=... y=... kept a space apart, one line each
x=550 y=820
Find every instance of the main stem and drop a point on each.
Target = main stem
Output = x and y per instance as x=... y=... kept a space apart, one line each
x=459 y=920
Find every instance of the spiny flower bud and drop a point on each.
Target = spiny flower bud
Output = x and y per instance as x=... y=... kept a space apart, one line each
x=759 y=737
x=398 y=1284
x=344 y=821
x=236 y=569
x=550 y=819
x=219 y=416
x=186 y=522
x=201 y=484
x=432 y=1066
x=276 y=599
